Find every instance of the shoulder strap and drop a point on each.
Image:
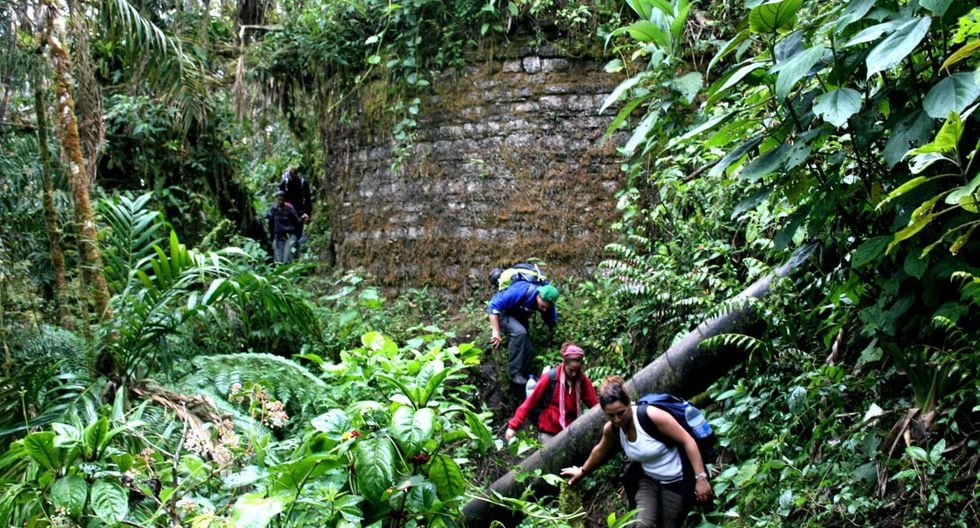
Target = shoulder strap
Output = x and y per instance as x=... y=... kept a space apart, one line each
x=648 y=426
x=530 y=289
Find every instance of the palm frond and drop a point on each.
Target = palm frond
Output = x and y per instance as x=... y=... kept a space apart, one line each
x=132 y=231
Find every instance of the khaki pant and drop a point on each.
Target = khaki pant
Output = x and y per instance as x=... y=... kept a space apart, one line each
x=660 y=505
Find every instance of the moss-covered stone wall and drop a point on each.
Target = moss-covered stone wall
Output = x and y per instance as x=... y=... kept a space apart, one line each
x=508 y=163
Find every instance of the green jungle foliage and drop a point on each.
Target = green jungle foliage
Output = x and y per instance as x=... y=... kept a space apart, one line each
x=225 y=391
x=850 y=124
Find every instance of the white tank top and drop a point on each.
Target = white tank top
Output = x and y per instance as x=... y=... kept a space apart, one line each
x=659 y=462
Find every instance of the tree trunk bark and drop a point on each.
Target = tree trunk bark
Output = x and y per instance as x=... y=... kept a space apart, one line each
x=84 y=216
x=683 y=370
x=50 y=211
x=87 y=95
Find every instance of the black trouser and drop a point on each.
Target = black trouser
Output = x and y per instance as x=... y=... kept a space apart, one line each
x=519 y=351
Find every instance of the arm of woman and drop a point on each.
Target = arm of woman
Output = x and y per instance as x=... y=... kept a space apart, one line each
x=596 y=457
x=673 y=430
x=525 y=408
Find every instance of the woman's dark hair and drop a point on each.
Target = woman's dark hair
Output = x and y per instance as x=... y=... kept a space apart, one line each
x=612 y=390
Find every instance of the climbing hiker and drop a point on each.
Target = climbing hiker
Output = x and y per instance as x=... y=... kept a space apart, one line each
x=510 y=312
x=558 y=396
x=297 y=193
x=656 y=482
x=284 y=226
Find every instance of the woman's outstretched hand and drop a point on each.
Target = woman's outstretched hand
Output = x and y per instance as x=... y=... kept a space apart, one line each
x=575 y=472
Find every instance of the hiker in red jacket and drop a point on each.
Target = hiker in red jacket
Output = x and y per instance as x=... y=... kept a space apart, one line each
x=558 y=395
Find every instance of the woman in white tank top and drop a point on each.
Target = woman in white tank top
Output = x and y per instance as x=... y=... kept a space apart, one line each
x=657 y=490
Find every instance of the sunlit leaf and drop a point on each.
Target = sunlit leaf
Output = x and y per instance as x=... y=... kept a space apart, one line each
x=791 y=71
x=952 y=94
x=254 y=510
x=890 y=51
x=774 y=15
x=646 y=31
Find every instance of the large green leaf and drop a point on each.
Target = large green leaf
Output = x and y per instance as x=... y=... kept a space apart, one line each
x=445 y=473
x=40 y=447
x=641 y=7
x=334 y=422
x=374 y=464
x=621 y=89
x=952 y=94
x=69 y=493
x=95 y=434
x=855 y=10
x=254 y=510
x=963 y=192
x=110 y=502
x=646 y=31
x=869 y=250
x=903 y=189
x=920 y=219
x=873 y=33
x=794 y=69
x=837 y=106
x=967 y=50
x=909 y=131
x=774 y=15
x=890 y=51
x=412 y=429
x=734 y=156
x=641 y=131
x=767 y=163
x=479 y=430
x=721 y=86
x=422 y=494
x=688 y=85
x=938 y=7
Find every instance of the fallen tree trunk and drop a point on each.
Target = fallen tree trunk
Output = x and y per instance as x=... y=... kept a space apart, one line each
x=684 y=370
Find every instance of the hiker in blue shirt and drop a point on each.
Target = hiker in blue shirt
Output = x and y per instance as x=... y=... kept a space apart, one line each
x=510 y=312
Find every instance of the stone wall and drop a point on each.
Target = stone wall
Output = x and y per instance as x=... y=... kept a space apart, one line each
x=508 y=163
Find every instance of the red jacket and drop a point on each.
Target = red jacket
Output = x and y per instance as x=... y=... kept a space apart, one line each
x=548 y=421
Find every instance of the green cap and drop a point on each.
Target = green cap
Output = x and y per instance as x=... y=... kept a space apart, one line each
x=548 y=293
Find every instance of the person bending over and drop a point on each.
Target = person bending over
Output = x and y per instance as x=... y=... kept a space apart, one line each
x=659 y=490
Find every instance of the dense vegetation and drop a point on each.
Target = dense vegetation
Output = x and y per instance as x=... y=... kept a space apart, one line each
x=158 y=370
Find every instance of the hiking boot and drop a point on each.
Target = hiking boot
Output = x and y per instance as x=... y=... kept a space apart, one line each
x=519 y=379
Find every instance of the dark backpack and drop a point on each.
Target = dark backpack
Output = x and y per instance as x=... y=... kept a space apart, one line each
x=552 y=377
x=691 y=419
x=526 y=272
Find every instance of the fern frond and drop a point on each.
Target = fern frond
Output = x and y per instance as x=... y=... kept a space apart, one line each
x=292 y=383
x=742 y=342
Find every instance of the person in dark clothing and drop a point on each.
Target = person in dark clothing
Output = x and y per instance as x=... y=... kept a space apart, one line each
x=297 y=193
x=510 y=312
x=284 y=226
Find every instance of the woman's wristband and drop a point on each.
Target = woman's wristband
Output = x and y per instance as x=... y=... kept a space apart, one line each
x=701 y=475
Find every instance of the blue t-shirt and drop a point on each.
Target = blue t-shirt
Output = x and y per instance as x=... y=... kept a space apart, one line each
x=519 y=299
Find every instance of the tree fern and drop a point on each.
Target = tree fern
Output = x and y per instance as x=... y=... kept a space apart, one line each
x=51 y=380
x=289 y=381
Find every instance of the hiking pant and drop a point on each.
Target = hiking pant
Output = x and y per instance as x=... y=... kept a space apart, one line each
x=283 y=247
x=661 y=505
x=519 y=352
